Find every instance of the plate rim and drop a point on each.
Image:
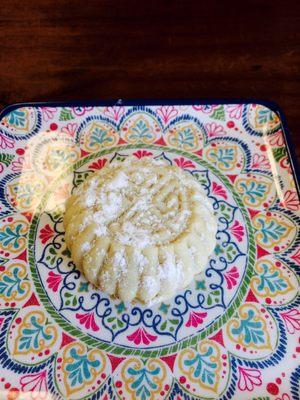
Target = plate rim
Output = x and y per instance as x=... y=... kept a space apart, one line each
x=271 y=105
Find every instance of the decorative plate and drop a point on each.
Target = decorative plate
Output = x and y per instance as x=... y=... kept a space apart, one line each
x=233 y=333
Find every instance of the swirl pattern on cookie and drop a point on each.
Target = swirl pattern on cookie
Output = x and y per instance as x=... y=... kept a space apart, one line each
x=140 y=230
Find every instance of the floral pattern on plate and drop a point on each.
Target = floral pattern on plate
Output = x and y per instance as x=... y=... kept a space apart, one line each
x=233 y=333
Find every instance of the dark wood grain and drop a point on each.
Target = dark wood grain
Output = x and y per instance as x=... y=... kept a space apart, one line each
x=86 y=50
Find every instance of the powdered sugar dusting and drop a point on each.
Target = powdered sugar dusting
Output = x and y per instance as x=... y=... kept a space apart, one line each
x=135 y=205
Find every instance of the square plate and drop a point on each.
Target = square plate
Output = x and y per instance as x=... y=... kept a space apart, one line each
x=233 y=333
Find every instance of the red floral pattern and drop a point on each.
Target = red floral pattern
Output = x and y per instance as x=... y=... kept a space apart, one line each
x=36 y=383
x=141 y=336
x=214 y=130
x=195 y=319
x=114 y=112
x=99 y=164
x=70 y=129
x=260 y=161
x=183 y=163
x=218 y=190
x=249 y=378
x=238 y=231
x=291 y=200
x=231 y=277
x=88 y=320
x=46 y=233
x=292 y=320
x=142 y=153
x=167 y=113
x=54 y=280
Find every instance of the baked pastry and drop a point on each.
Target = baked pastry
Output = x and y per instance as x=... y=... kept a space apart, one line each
x=140 y=230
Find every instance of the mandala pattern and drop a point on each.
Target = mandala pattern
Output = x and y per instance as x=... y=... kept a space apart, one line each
x=233 y=333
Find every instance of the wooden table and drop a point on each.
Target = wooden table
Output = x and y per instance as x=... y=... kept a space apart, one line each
x=101 y=49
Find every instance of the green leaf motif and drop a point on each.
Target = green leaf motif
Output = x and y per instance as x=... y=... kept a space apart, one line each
x=6 y=158
x=227 y=210
x=65 y=114
x=201 y=178
x=119 y=157
x=31 y=336
x=261 y=398
x=219 y=113
x=213 y=297
x=115 y=323
x=71 y=299
x=279 y=153
x=80 y=369
x=169 y=325
x=80 y=177
x=203 y=367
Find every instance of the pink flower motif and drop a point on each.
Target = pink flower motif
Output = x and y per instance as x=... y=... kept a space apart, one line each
x=296 y=256
x=142 y=153
x=260 y=161
x=53 y=281
x=183 y=163
x=6 y=143
x=195 y=319
x=231 y=277
x=141 y=336
x=35 y=383
x=285 y=396
x=291 y=200
x=167 y=112
x=88 y=320
x=291 y=319
x=235 y=110
x=81 y=110
x=285 y=164
x=214 y=129
x=70 y=129
x=238 y=231
x=20 y=164
x=63 y=192
x=17 y=165
x=46 y=233
x=206 y=109
x=248 y=378
x=276 y=139
x=48 y=113
x=99 y=164
x=218 y=190
x=114 y=112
